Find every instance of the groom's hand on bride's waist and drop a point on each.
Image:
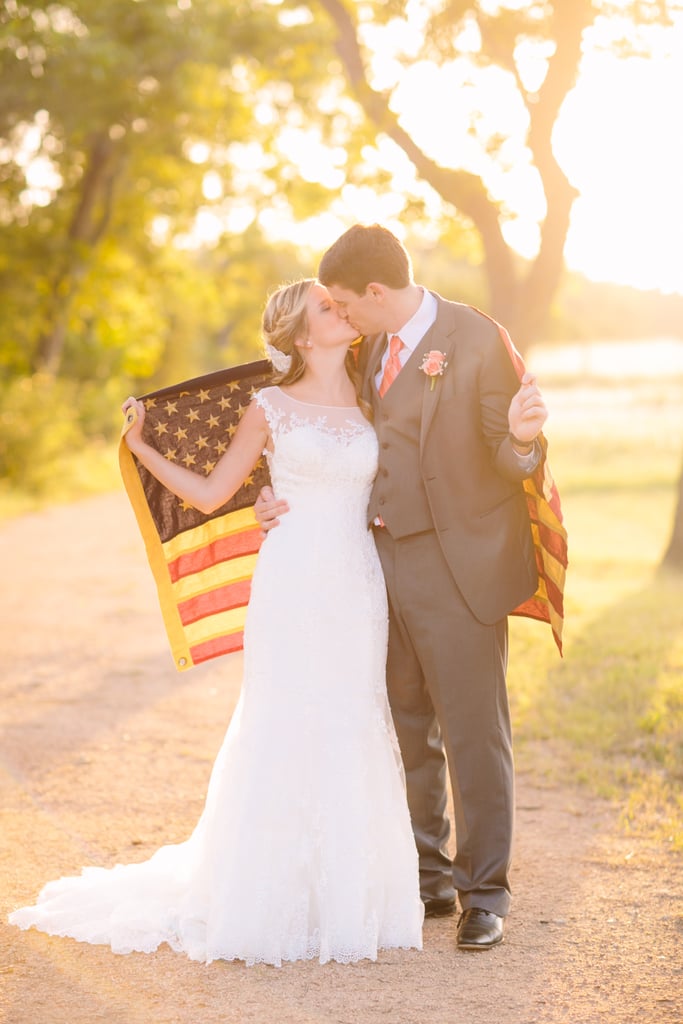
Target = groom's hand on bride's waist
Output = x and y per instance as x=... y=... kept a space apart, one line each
x=267 y=510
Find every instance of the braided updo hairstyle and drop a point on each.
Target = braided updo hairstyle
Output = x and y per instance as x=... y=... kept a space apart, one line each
x=284 y=320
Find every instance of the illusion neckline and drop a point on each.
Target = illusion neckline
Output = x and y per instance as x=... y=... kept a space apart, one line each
x=314 y=405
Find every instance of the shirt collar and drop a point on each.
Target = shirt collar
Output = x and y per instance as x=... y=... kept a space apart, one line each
x=422 y=319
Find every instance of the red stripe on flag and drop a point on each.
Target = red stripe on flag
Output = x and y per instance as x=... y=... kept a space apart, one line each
x=214 y=648
x=551 y=539
x=554 y=595
x=533 y=608
x=246 y=542
x=553 y=543
x=222 y=599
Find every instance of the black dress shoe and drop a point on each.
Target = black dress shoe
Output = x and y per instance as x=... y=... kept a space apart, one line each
x=440 y=906
x=479 y=929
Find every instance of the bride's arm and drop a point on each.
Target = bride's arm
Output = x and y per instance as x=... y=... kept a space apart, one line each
x=205 y=493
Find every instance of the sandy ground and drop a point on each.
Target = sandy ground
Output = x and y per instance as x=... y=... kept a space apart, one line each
x=105 y=755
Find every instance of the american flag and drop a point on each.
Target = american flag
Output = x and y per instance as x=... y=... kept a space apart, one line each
x=202 y=564
x=547 y=528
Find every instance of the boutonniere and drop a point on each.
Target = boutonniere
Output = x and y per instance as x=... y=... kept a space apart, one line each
x=433 y=364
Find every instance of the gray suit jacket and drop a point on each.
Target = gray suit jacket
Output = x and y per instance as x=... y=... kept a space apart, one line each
x=459 y=450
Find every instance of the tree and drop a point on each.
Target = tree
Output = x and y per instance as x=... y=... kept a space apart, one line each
x=673 y=556
x=119 y=123
x=499 y=36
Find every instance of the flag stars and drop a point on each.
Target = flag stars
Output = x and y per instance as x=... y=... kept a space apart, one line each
x=160 y=428
x=171 y=407
x=234 y=385
x=202 y=442
x=180 y=434
x=170 y=454
x=203 y=395
x=192 y=415
x=186 y=507
x=213 y=422
x=189 y=459
x=208 y=466
x=150 y=403
x=224 y=403
x=221 y=447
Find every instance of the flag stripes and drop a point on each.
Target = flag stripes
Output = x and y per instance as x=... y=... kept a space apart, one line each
x=222 y=599
x=202 y=564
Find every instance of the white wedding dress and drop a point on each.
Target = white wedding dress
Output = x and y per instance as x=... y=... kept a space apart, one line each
x=304 y=848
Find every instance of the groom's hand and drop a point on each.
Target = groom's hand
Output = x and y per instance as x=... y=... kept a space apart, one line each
x=267 y=509
x=528 y=411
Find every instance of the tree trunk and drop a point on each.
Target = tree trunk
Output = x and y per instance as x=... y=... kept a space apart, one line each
x=522 y=303
x=89 y=222
x=673 y=556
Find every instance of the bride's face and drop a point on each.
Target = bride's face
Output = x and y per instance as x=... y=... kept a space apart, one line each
x=325 y=326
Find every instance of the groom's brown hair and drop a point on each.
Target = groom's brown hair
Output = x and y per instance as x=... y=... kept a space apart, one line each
x=364 y=254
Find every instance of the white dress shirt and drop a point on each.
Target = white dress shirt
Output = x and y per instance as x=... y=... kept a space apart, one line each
x=412 y=333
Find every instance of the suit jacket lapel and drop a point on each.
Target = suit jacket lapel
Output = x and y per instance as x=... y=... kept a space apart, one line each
x=440 y=336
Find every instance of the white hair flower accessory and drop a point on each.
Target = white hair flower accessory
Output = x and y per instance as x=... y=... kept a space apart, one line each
x=280 y=360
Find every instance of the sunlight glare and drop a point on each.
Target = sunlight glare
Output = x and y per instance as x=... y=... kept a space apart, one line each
x=316 y=161
x=198 y=152
x=212 y=186
x=622 y=149
x=617 y=138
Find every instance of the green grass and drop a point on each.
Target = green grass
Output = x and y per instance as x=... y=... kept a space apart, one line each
x=610 y=713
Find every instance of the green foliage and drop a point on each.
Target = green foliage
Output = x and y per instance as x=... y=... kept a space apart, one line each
x=40 y=426
x=111 y=115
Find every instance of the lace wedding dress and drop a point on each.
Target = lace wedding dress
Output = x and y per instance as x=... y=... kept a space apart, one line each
x=304 y=847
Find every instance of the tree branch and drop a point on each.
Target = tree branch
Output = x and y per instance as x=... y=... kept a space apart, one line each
x=464 y=191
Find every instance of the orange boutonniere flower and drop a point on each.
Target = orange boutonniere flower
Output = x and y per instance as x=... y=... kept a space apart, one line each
x=433 y=364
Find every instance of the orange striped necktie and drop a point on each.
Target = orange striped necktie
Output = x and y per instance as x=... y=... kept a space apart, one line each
x=392 y=367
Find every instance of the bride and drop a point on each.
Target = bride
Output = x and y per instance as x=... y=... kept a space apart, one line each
x=304 y=848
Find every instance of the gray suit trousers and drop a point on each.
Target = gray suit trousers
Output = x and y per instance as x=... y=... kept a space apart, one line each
x=447 y=690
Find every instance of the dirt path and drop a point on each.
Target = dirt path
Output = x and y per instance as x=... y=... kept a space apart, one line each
x=106 y=753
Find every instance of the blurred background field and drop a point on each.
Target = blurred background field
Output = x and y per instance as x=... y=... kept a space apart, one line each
x=612 y=708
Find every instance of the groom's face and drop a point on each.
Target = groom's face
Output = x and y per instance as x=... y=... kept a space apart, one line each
x=366 y=313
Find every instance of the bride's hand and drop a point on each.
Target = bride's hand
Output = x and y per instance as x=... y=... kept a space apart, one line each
x=134 y=411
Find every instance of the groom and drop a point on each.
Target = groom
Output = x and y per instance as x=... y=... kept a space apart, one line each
x=456 y=439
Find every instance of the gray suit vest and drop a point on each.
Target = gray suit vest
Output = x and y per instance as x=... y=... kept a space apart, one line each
x=398 y=495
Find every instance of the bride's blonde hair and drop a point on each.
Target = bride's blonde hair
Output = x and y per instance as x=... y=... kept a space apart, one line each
x=284 y=320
